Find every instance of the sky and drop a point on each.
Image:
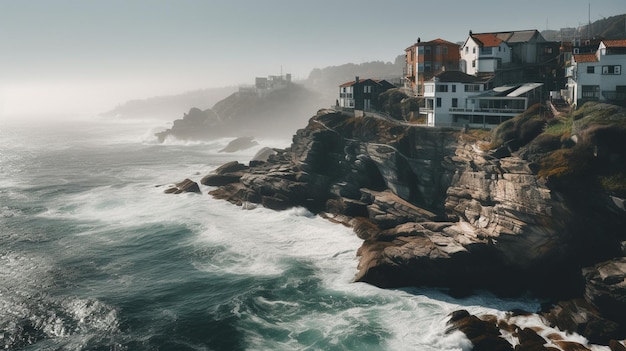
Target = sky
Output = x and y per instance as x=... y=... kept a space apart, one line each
x=87 y=56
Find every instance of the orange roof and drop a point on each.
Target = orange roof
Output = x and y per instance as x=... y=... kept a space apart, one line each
x=582 y=58
x=442 y=41
x=617 y=43
x=487 y=39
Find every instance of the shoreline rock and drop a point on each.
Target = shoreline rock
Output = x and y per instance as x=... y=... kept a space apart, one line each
x=435 y=210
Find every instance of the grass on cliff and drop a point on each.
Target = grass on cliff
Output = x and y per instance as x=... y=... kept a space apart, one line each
x=523 y=128
x=586 y=147
x=592 y=148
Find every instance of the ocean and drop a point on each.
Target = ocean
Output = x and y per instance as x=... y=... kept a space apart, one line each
x=94 y=256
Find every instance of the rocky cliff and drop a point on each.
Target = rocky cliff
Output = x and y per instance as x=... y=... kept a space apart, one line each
x=276 y=114
x=466 y=210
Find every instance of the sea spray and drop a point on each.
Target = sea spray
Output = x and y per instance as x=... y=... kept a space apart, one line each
x=95 y=256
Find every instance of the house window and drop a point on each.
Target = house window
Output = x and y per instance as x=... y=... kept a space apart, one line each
x=591 y=91
x=445 y=50
x=438 y=102
x=473 y=63
x=427 y=67
x=547 y=50
x=437 y=66
x=454 y=88
x=437 y=50
x=576 y=51
x=420 y=50
x=367 y=89
x=420 y=67
x=466 y=49
x=474 y=50
x=455 y=102
x=427 y=50
x=472 y=87
x=343 y=90
x=614 y=69
x=442 y=88
x=590 y=69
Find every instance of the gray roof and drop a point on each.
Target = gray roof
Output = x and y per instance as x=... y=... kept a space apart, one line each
x=522 y=36
x=457 y=77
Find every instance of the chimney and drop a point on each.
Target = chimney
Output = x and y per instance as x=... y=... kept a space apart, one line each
x=356 y=79
x=419 y=40
x=470 y=34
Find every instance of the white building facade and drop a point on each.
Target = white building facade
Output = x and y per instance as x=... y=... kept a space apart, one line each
x=456 y=99
x=484 y=53
x=598 y=76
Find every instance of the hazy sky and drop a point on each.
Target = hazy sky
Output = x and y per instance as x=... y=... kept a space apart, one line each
x=86 y=56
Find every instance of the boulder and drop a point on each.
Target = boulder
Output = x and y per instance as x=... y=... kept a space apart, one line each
x=186 y=186
x=605 y=288
x=239 y=144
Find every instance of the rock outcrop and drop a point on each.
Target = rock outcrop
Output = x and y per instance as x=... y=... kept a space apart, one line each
x=435 y=209
x=275 y=114
x=186 y=186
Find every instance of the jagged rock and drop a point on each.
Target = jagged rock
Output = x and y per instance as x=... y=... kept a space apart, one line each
x=263 y=155
x=579 y=316
x=238 y=144
x=484 y=335
x=605 y=288
x=227 y=173
x=186 y=186
x=615 y=345
x=436 y=210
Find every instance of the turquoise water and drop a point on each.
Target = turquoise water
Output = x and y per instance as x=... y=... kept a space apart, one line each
x=94 y=256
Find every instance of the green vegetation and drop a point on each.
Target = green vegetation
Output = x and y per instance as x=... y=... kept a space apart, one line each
x=522 y=129
x=593 y=148
x=614 y=184
x=586 y=148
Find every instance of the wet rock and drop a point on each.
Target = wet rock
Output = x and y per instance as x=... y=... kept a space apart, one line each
x=605 y=288
x=239 y=144
x=484 y=335
x=186 y=186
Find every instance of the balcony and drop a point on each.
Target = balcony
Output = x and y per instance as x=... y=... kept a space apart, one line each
x=487 y=111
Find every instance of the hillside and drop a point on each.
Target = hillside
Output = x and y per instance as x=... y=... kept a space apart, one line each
x=242 y=114
x=613 y=27
x=164 y=107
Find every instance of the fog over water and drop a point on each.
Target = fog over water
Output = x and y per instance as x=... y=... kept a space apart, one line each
x=72 y=56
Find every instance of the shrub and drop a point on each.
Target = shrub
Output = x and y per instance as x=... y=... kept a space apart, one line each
x=614 y=184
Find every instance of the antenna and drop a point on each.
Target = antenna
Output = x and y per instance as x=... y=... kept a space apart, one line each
x=589 y=20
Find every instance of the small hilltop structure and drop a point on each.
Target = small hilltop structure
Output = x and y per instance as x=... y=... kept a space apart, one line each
x=265 y=85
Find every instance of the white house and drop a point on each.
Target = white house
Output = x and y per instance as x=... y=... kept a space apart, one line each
x=446 y=92
x=484 y=53
x=455 y=98
x=598 y=76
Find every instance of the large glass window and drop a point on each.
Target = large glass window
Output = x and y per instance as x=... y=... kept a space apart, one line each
x=591 y=91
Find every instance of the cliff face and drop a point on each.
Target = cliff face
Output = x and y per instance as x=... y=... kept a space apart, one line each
x=434 y=209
